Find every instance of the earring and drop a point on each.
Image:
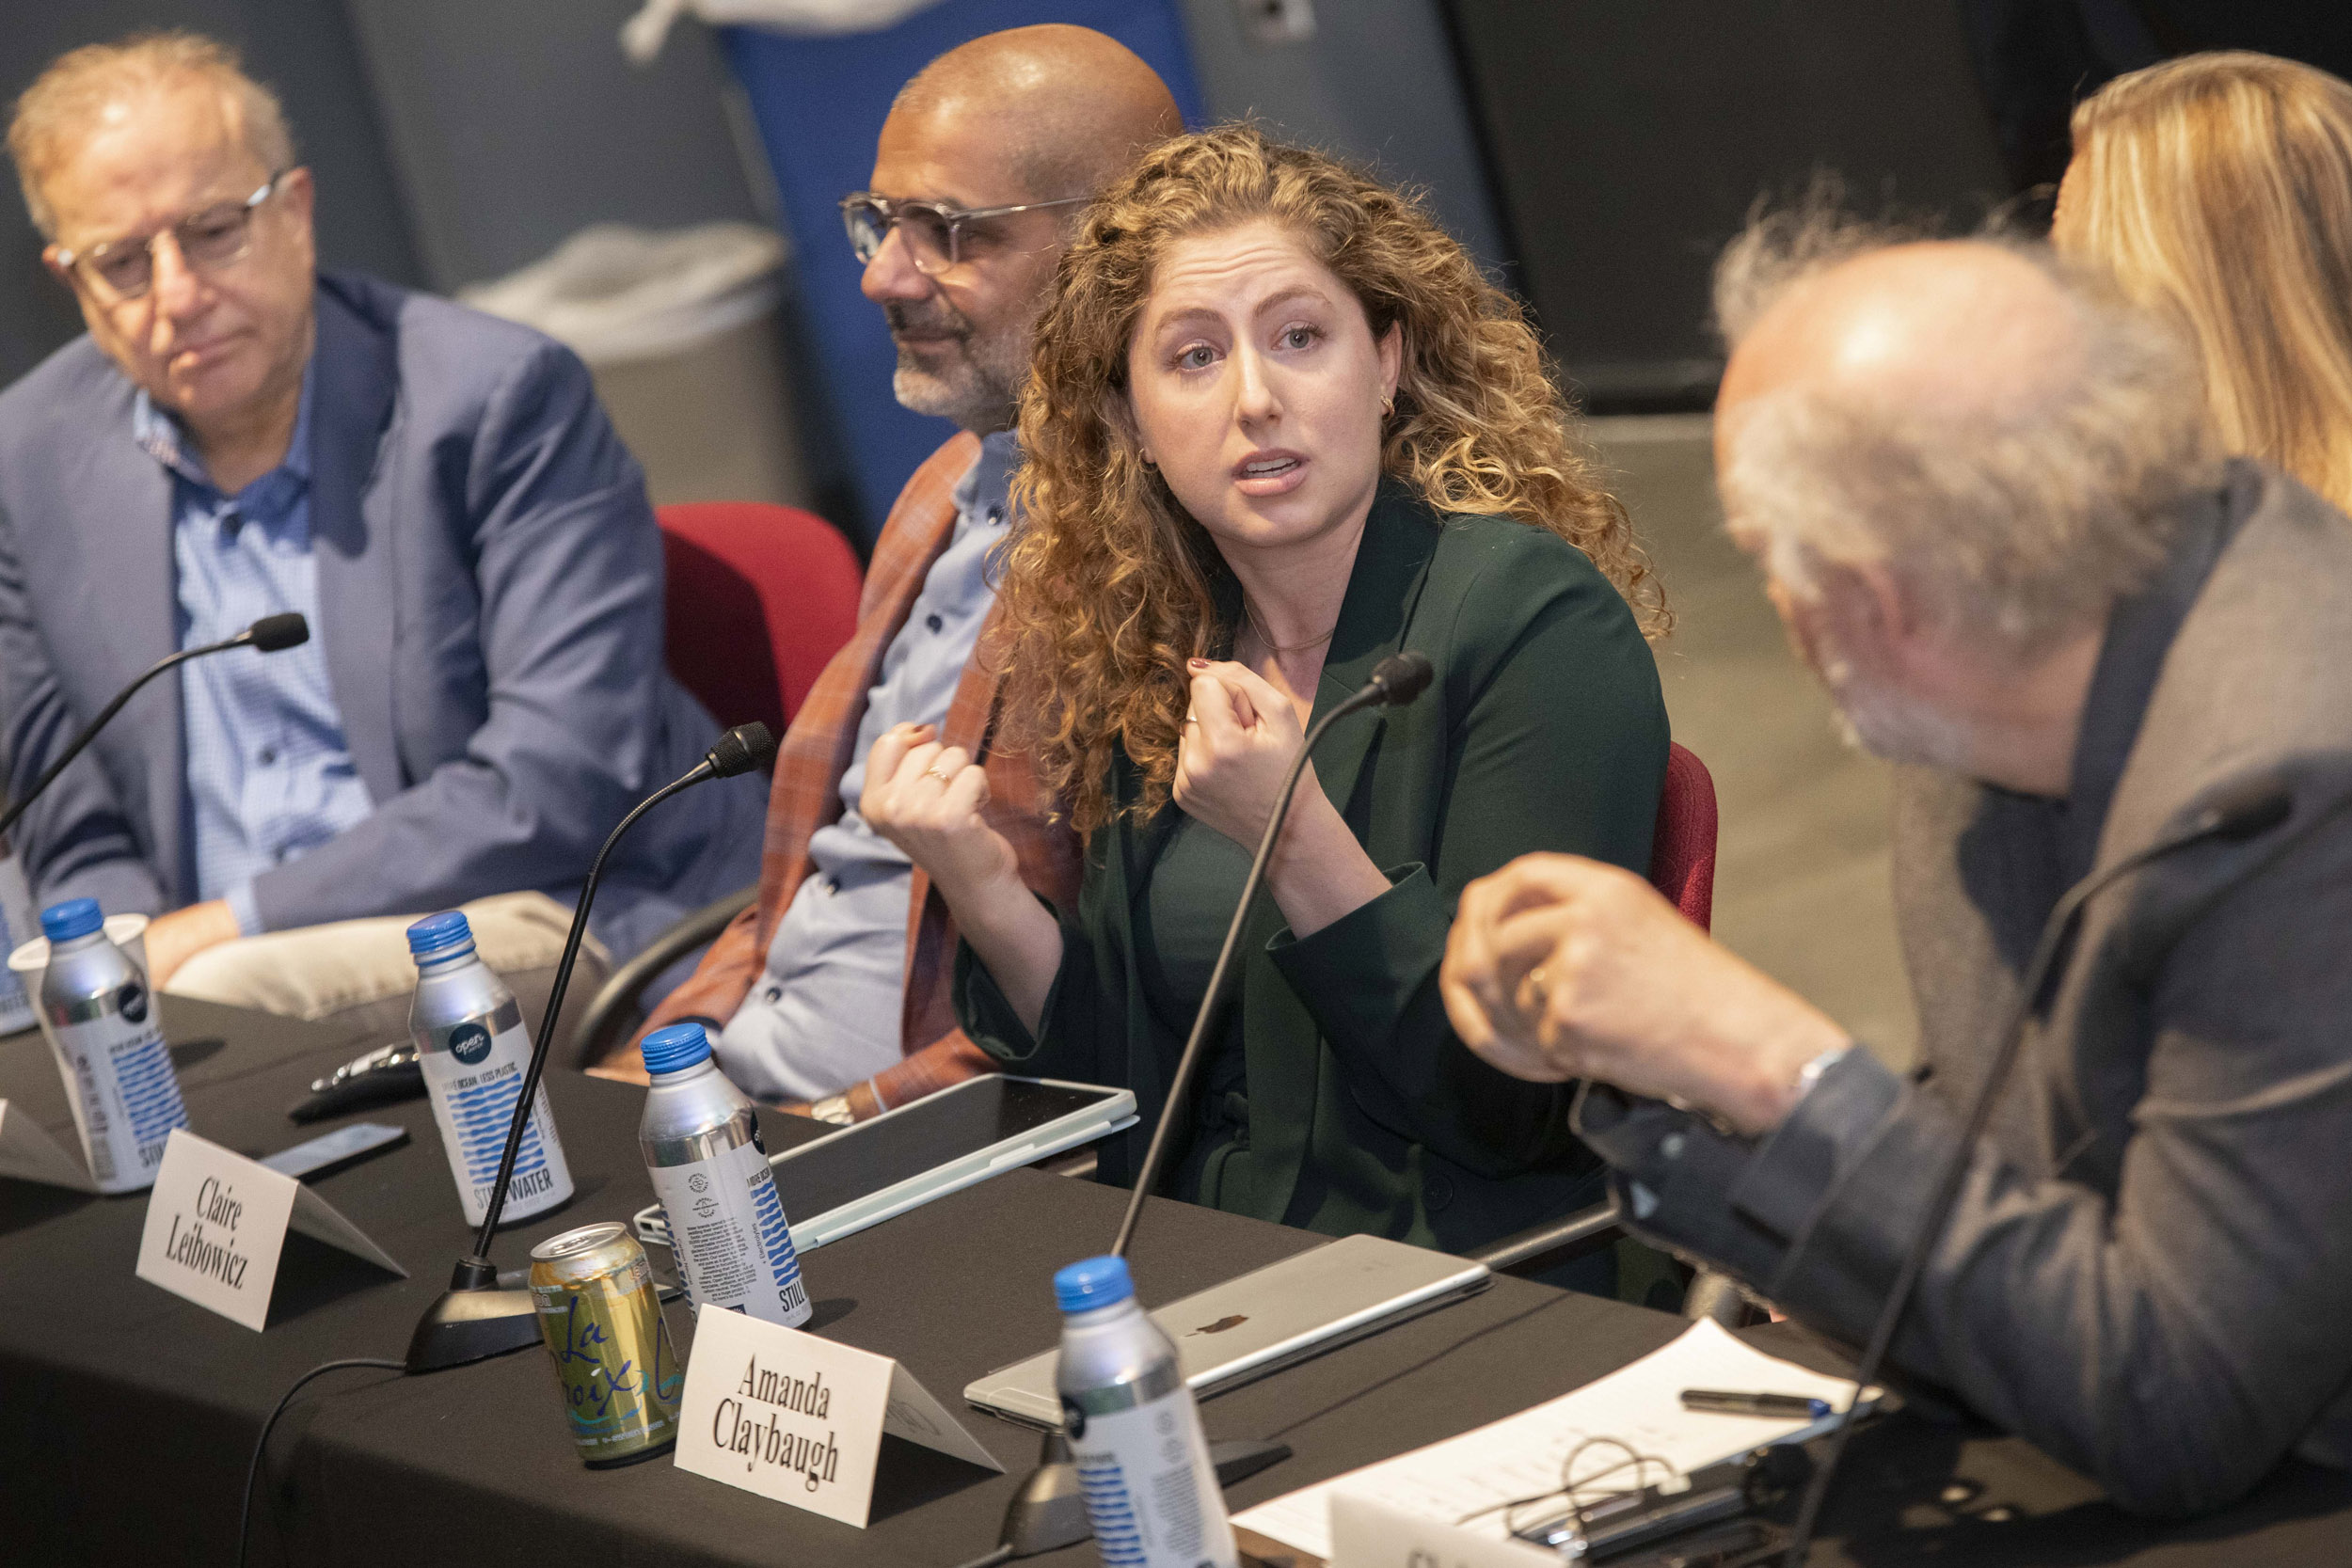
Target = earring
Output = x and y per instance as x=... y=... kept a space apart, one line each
x=1388 y=406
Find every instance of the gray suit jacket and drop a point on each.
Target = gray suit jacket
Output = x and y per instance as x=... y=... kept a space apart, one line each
x=490 y=605
x=2151 y=1262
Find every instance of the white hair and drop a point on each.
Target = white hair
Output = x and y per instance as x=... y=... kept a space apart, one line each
x=2019 y=519
x=56 y=112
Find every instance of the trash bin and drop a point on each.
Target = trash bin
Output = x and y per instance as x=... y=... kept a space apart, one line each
x=681 y=331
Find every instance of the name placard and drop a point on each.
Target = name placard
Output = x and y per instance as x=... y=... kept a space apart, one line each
x=1369 y=1534
x=216 y=1221
x=28 y=1153
x=800 y=1419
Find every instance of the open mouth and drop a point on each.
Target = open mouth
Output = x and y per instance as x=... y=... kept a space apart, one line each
x=1268 y=468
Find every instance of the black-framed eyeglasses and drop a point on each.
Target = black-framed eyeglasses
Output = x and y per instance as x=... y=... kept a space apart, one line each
x=215 y=238
x=932 y=231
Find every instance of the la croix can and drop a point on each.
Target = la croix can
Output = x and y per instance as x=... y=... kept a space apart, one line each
x=600 y=1314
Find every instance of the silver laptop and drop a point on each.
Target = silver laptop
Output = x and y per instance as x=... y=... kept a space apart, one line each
x=1239 y=1331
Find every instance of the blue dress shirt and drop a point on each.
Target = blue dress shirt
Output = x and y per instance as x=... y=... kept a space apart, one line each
x=826 y=1012
x=269 y=774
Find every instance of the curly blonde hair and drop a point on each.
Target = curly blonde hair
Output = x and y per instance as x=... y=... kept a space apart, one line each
x=1108 y=587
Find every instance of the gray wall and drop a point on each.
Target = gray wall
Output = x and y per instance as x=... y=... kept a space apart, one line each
x=458 y=139
x=1629 y=140
x=301 y=47
x=513 y=123
x=1376 y=82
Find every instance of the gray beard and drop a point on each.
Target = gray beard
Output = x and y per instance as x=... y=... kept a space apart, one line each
x=1890 y=727
x=978 y=390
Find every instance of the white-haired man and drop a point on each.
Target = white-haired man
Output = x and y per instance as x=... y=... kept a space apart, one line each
x=1987 y=511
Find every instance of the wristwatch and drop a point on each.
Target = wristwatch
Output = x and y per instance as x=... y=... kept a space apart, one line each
x=1811 y=1072
x=834 y=1109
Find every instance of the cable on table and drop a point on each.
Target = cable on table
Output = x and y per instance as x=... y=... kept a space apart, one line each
x=253 y=1468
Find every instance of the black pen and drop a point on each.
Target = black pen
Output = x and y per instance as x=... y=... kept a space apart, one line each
x=1716 y=1402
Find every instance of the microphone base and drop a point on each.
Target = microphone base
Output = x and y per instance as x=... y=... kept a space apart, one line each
x=472 y=1321
x=1050 y=1512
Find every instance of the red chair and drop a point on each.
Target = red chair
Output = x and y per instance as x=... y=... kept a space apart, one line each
x=1682 y=866
x=759 y=597
x=1682 y=847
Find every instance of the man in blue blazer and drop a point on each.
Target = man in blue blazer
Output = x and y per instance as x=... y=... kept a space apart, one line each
x=437 y=491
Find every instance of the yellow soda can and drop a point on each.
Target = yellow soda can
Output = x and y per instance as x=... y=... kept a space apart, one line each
x=600 y=1315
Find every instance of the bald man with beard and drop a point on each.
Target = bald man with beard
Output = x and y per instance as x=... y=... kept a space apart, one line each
x=832 y=991
x=1987 y=508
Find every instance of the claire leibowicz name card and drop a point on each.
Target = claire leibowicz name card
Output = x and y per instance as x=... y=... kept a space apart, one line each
x=216 y=1221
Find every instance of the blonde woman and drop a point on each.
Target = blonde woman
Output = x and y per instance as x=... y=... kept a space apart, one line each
x=1279 y=428
x=2217 y=188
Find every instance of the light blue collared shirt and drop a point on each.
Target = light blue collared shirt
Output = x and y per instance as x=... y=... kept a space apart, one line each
x=269 y=774
x=826 y=1011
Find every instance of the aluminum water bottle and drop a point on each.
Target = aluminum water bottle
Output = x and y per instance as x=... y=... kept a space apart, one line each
x=474 y=1051
x=701 y=1140
x=1151 y=1492
x=16 y=928
x=101 y=1022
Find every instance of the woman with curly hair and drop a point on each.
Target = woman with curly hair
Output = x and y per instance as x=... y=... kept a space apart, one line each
x=1278 y=428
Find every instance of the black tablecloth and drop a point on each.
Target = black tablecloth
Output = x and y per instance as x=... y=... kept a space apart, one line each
x=126 y=1413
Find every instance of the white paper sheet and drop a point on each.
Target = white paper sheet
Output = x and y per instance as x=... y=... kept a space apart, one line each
x=1520 y=1455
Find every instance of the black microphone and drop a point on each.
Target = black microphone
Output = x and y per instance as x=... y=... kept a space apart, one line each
x=474 y=1320
x=273 y=632
x=1395 y=680
x=269 y=634
x=2245 y=811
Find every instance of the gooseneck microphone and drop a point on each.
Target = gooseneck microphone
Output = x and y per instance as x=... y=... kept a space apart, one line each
x=1048 y=1512
x=268 y=634
x=474 y=1320
x=2245 y=812
x=1396 y=681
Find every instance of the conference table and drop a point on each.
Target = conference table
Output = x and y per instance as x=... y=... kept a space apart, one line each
x=127 y=1414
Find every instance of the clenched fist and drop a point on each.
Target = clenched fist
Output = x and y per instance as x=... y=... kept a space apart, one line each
x=1239 y=739
x=927 y=798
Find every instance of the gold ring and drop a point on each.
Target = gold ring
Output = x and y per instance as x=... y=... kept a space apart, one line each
x=935 y=773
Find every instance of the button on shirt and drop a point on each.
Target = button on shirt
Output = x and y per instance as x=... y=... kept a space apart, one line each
x=269 y=774
x=826 y=1011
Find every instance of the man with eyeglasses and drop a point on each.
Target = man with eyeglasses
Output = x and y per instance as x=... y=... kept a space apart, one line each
x=435 y=491
x=834 y=989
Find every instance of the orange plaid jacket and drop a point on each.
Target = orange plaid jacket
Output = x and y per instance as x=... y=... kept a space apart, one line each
x=807 y=796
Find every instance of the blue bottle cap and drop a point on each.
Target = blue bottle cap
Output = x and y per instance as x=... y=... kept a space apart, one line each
x=677 y=1047
x=440 y=936
x=1096 y=1282
x=75 y=917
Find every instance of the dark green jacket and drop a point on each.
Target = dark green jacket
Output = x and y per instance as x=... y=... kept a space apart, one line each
x=1543 y=730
